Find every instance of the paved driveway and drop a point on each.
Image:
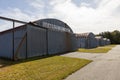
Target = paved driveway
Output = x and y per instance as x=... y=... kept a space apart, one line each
x=104 y=66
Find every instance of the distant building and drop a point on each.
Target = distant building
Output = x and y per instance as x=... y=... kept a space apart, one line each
x=105 y=41
x=108 y=41
x=100 y=41
x=86 y=40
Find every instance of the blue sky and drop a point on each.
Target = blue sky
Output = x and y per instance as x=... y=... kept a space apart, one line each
x=4 y=4
x=91 y=2
x=81 y=15
x=21 y=4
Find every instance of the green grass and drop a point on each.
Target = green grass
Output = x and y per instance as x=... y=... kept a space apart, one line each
x=51 y=68
x=103 y=49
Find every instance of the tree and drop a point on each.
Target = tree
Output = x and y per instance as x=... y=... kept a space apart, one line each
x=113 y=36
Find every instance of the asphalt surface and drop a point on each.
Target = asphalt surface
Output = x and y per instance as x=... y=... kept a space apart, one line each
x=104 y=66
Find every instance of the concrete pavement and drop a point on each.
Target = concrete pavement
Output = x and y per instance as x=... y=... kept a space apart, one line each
x=104 y=66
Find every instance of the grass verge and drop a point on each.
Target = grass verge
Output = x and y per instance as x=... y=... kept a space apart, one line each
x=103 y=49
x=51 y=68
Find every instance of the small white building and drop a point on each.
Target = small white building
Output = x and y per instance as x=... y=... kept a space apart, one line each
x=108 y=41
x=105 y=41
x=100 y=41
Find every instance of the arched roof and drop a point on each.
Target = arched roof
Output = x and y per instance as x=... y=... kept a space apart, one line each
x=54 y=24
x=86 y=35
x=99 y=37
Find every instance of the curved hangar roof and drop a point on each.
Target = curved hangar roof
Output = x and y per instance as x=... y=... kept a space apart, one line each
x=54 y=24
x=86 y=35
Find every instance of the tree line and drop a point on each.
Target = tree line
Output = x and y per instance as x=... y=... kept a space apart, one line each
x=113 y=36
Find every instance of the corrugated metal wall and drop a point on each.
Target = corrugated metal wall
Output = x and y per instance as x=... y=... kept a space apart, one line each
x=73 y=42
x=93 y=43
x=56 y=42
x=59 y=42
x=97 y=42
x=6 y=43
x=86 y=41
x=83 y=42
x=102 y=42
x=18 y=36
x=36 y=41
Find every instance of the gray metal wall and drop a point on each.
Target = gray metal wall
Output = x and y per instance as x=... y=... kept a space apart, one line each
x=59 y=42
x=78 y=42
x=18 y=36
x=82 y=42
x=73 y=42
x=56 y=40
x=101 y=43
x=93 y=43
x=87 y=42
x=31 y=41
x=97 y=43
x=6 y=43
x=36 y=41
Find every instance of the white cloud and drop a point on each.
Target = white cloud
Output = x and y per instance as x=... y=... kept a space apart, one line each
x=85 y=4
x=86 y=19
x=37 y=3
x=15 y=13
x=83 y=18
x=56 y=2
x=5 y=25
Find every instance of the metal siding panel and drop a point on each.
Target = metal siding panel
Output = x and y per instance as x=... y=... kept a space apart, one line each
x=6 y=45
x=74 y=42
x=22 y=52
x=52 y=42
x=78 y=42
x=36 y=41
x=87 y=43
x=82 y=42
x=93 y=42
x=97 y=42
x=18 y=36
x=56 y=42
x=102 y=42
x=67 y=42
